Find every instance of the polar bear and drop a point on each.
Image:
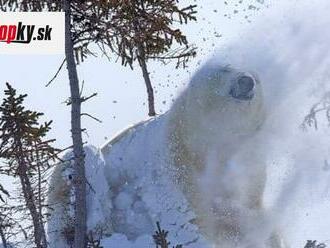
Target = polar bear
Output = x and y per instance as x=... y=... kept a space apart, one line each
x=189 y=154
x=220 y=111
x=216 y=118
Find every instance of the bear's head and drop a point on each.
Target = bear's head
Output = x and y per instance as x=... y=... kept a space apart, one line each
x=220 y=108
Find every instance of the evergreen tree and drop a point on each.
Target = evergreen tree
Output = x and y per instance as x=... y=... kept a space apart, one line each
x=27 y=155
x=143 y=30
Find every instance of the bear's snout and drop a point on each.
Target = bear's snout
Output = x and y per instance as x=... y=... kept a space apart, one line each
x=243 y=88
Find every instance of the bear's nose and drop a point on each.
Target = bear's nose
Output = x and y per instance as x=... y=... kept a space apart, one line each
x=243 y=88
x=245 y=84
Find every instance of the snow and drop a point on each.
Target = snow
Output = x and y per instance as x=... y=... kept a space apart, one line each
x=288 y=47
x=292 y=61
x=121 y=241
x=143 y=192
x=127 y=195
x=130 y=196
x=98 y=202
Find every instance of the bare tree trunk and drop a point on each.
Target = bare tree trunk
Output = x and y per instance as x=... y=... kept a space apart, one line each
x=2 y=235
x=150 y=91
x=39 y=193
x=79 y=179
x=38 y=227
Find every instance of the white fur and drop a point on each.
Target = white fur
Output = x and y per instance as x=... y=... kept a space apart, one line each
x=190 y=151
x=207 y=128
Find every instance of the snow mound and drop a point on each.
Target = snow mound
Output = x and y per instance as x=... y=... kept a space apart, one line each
x=143 y=193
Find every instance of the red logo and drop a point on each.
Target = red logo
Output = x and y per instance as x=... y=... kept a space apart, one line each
x=21 y=33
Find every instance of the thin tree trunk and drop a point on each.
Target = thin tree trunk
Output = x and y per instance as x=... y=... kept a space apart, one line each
x=2 y=235
x=150 y=91
x=39 y=187
x=40 y=213
x=79 y=179
x=39 y=193
x=39 y=230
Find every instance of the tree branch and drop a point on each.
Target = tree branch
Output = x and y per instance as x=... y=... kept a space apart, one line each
x=84 y=99
x=90 y=116
x=56 y=74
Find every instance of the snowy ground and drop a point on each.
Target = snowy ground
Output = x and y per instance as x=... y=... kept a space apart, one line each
x=288 y=47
